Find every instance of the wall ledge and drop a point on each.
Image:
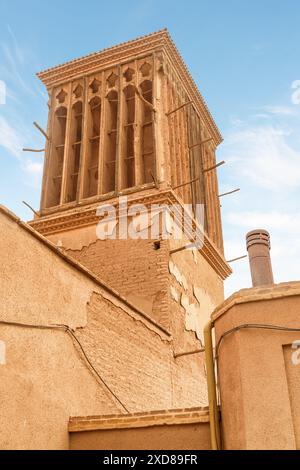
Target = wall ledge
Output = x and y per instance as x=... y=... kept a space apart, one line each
x=139 y=420
x=256 y=294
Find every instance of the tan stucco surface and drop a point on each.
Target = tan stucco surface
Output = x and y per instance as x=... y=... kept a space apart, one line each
x=176 y=437
x=258 y=382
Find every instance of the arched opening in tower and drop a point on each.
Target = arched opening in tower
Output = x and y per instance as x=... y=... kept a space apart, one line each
x=110 y=150
x=94 y=119
x=56 y=161
x=147 y=140
x=74 y=151
x=128 y=154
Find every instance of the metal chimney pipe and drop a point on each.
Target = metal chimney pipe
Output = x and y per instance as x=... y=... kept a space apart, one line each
x=258 y=246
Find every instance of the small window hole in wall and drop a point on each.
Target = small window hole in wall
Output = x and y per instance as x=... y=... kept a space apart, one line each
x=156 y=245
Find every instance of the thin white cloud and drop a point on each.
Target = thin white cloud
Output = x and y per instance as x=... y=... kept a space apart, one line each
x=263 y=155
x=289 y=223
x=10 y=139
x=35 y=168
x=279 y=110
x=296 y=94
x=3 y=92
x=13 y=140
x=18 y=50
x=261 y=116
x=15 y=58
x=12 y=68
x=32 y=171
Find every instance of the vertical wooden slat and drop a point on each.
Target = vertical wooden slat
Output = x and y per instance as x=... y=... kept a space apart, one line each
x=158 y=151
x=103 y=143
x=48 y=151
x=137 y=131
x=216 y=210
x=173 y=163
x=210 y=195
x=184 y=151
x=83 y=117
x=206 y=185
x=181 y=149
x=176 y=103
x=119 y=134
x=188 y=155
x=101 y=172
x=198 y=152
x=161 y=125
x=85 y=142
x=190 y=141
x=67 y=147
x=173 y=131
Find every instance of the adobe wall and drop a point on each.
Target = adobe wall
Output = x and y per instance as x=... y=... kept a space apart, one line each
x=259 y=368
x=45 y=378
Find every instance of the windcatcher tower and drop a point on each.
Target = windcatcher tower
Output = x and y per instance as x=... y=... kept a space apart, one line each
x=129 y=120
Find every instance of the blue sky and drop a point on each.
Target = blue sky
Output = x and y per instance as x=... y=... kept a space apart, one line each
x=242 y=55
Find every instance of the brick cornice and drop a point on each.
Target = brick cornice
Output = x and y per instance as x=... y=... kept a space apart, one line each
x=87 y=216
x=257 y=294
x=109 y=57
x=139 y=420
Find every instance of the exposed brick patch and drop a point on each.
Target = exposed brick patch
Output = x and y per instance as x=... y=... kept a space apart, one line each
x=135 y=269
x=136 y=420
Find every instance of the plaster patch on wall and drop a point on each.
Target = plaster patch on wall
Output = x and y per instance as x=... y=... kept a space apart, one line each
x=75 y=240
x=204 y=299
x=180 y=278
x=197 y=314
x=198 y=293
x=184 y=283
x=185 y=301
x=171 y=267
x=174 y=294
x=195 y=255
x=192 y=317
x=2 y=353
